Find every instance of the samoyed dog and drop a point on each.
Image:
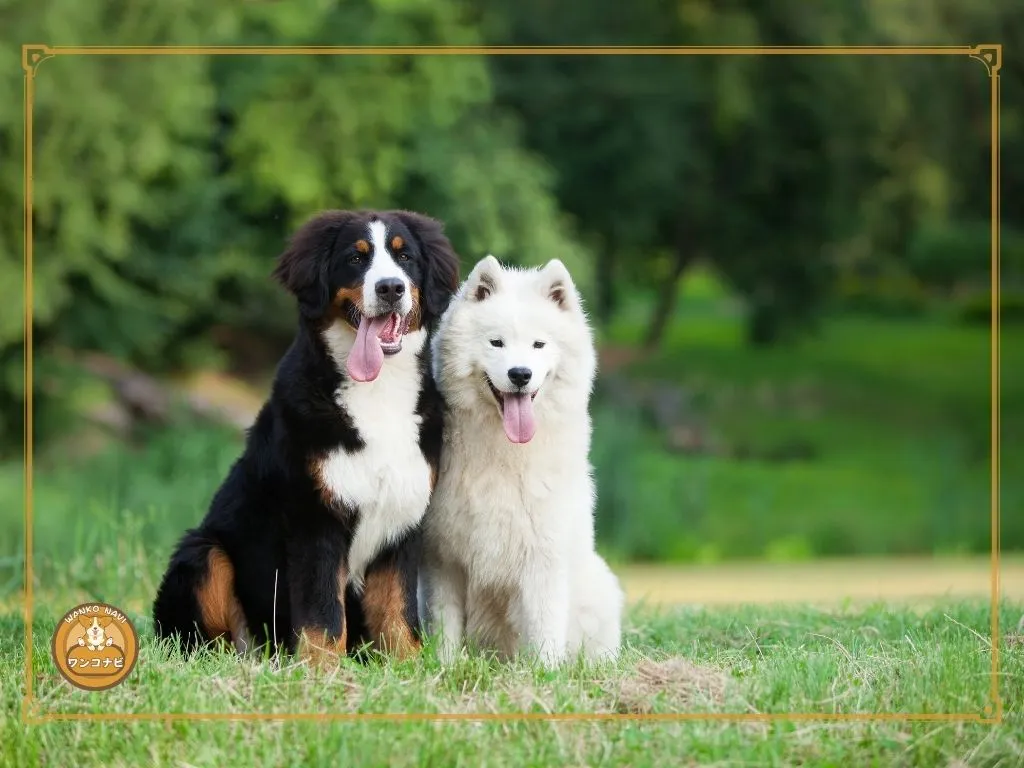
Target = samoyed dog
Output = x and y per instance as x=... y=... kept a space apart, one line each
x=509 y=561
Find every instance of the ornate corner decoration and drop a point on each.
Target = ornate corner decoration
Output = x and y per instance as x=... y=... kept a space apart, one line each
x=991 y=55
x=34 y=55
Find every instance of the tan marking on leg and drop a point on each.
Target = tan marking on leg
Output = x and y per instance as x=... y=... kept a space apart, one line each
x=384 y=608
x=317 y=649
x=315 y=646
x=220 y=611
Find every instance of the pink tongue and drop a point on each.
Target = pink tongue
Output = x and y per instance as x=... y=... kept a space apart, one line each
x=366 y=358
x=518 y=417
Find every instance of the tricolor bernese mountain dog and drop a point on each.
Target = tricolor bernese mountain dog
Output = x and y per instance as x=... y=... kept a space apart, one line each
x=312 y=542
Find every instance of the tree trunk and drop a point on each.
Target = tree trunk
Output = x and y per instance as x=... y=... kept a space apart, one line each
x=667 y=296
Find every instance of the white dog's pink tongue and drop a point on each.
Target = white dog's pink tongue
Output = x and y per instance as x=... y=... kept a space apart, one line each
x=517 y=414
x=367 y=357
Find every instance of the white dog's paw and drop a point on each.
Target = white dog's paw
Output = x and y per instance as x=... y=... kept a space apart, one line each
x=550 y=660
x=551 y=655
x=448 y=653
x=603 y=655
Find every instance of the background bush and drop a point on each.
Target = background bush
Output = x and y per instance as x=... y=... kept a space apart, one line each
x=793 y=250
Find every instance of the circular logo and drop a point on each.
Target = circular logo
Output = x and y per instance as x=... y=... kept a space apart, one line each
x=95 y=646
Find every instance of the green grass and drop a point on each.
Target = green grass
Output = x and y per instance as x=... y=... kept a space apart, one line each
x=736 y=660
x=116 y=515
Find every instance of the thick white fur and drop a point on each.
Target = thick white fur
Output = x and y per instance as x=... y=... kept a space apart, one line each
x=509 y=560
x=389 y=480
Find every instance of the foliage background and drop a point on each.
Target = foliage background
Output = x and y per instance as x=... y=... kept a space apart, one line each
x=787 y=258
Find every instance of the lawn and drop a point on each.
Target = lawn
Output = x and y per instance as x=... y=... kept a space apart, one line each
x=736 y=659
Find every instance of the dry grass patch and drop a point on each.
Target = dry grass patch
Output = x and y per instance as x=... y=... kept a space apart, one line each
x=676 y=683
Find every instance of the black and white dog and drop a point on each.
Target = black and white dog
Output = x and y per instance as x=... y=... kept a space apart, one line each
x=312 y=543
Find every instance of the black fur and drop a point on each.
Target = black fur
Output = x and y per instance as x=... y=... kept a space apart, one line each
x=268 y=516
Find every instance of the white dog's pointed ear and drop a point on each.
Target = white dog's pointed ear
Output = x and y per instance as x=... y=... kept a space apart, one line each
x=558 y=286
x=483 y=280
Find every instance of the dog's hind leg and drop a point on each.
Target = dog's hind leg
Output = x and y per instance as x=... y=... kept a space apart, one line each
x=196 y=602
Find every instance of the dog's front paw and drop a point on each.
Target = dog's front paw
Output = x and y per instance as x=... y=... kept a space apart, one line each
x=448 y=653
x=551 y=655
x=550 y=660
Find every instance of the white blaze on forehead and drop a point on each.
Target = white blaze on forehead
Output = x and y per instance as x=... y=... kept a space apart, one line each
x=378 y=231
x=382 y=265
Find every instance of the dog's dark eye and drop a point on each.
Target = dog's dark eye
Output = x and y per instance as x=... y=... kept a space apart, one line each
x=539 y=344
x=497 y=343
x=356 y=258
x=402 y=256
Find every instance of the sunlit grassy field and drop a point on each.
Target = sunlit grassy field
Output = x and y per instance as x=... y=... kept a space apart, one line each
x=740 y=659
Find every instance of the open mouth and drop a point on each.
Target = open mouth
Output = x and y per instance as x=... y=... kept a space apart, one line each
x=376 y=338
x=389 y=332
x=516 y=410
x=500 y=396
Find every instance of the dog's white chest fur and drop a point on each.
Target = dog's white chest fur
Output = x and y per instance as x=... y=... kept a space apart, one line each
x=388 y=481
x=500 y=505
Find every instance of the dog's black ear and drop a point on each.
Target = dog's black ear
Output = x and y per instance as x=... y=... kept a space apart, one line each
x=441 y=263
x=304 y=266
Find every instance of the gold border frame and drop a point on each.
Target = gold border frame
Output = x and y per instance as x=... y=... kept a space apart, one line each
x=990 y=55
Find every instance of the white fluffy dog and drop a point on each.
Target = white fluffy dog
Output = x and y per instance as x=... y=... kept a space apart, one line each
x=509 y=559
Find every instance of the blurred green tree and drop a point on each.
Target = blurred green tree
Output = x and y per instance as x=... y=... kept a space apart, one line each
x=664 y=159
x=164 y=187
x=779 y=170
x=120 y=151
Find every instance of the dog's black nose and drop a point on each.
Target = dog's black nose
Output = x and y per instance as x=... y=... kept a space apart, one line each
x=390 y=289
x=520 y=376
